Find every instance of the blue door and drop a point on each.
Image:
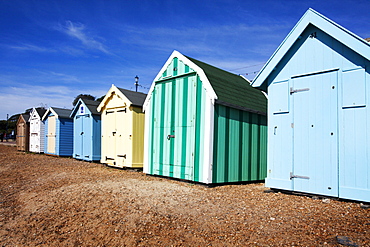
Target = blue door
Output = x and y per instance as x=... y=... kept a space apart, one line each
x=86 y=137
x=78 y=137
x=315 y=133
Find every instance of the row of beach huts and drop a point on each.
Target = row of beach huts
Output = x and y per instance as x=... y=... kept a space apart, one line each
x=203 y=124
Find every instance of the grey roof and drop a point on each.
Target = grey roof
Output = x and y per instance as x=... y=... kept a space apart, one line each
x=233 y=90
x=63 y=113
x=26 y=116
x=92 y=105
x=41 y=111
x=136 y=98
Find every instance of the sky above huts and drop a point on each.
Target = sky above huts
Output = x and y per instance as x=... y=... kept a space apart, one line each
x=52 y=51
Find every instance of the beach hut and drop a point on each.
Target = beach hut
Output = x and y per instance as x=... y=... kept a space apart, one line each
x=319 y=116
x=204 y=124
x=122 y=128
x=23 y=132
x=87 y=130
x=58 y=132
x=37 y=130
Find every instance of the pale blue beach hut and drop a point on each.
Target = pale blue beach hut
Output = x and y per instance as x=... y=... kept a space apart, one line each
x=318 y=110
x=87 y=130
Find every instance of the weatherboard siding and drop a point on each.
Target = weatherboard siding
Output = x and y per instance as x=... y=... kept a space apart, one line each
x=138 y=137
x=240 y=145
x=96 y=138
x=65 y=137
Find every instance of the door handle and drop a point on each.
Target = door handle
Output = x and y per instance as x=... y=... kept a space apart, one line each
x=82 y=133
x=170 y=136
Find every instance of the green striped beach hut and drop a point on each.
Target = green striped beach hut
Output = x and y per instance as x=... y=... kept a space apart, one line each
x=204 y=124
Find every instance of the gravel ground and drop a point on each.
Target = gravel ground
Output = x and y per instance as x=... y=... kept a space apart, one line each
x=51 y=201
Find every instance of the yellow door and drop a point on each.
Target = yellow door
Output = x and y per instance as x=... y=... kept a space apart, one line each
x=51 y=134
x=110 y=137
x=122 y=138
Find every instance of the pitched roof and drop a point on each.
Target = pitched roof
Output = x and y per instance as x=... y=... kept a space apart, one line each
x=92 y=105
x=233 y=90
x=41 y=111
x=62 y=113
x=136 y=98
x=25 y=116
x=222 y=87
x=341 y=34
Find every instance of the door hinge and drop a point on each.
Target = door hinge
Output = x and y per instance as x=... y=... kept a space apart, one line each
x=297 y=176
x=292 y=91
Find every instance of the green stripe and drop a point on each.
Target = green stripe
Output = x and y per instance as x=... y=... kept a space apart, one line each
x=247 y=154
x=215 y=144
x=250 y=150
x=172 y=129
x=241 y=146
x=254 y=147
x=197 y=128
x=175 y=66
x=263 y=149
x=227 y=145
x=162 y=110
x=258 y=154
x=151 y=137
x=184 y=127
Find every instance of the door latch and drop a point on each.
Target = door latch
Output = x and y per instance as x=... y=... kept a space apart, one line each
x=297 y=176
x=170 y=136
x=292 y=91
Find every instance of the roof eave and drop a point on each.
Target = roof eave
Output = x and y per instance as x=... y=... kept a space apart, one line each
x=330 y=27
x=192 y=65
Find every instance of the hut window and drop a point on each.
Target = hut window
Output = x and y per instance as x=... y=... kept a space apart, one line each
x=353 y=88
x=279 y=93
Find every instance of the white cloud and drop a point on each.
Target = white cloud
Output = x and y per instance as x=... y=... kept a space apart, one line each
x=78 y=31
x=29 y=47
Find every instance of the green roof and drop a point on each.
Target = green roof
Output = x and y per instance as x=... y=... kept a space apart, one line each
x=233 y=90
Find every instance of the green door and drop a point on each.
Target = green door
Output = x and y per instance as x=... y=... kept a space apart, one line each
x=173 y=138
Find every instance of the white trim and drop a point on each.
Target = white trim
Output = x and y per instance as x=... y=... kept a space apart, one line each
x=147 y=138
x=342 y=35
x=208 y=140
x=105 y=102
x=50 y=109
x=206 y=84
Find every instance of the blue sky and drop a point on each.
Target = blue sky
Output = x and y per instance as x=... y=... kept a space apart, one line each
x=51 y=51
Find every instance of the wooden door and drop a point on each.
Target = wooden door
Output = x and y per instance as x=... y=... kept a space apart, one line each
x=122 y=137
x=78 y=138
x=51 y=136
x=110 y=133
x=173 y=139
x=315 y=134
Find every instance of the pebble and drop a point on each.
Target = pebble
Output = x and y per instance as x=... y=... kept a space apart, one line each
x=326 y=200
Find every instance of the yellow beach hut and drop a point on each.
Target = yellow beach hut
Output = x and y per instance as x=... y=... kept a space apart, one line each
x=122 y=120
